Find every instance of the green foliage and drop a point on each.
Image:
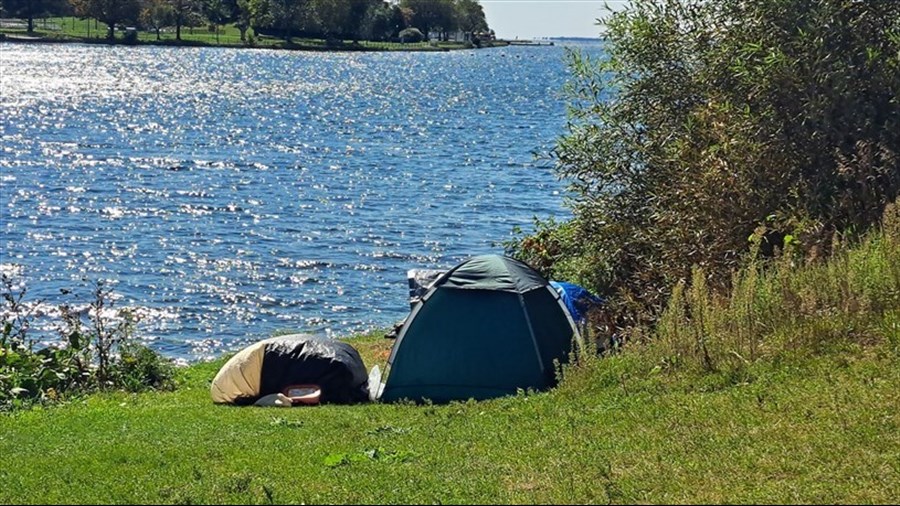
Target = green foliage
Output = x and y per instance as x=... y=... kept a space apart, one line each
x=432 y=15
x=851 y=299
x=110 y=12
x=139 y=368
x=217 y=12
x=320 y=23
x=30 y=9
x=470 y=16
x=186 y=13
x=382 y=22
x=558 y=251
x=705 y=121
x=94 y=352
x=332 y=20
x=156 y=15
x=26 y=374
x=411 y=35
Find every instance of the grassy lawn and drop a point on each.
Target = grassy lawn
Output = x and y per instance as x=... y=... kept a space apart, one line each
x=817 y=429
x=75 y=28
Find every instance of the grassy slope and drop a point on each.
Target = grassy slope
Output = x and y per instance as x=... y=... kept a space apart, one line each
x=817 y=429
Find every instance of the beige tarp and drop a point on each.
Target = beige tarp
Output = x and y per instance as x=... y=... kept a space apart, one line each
x=240 y=376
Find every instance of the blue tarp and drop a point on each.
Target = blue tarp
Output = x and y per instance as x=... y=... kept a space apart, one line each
x=577 y=299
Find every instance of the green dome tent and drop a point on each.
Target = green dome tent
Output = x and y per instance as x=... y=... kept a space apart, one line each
x=486 y=328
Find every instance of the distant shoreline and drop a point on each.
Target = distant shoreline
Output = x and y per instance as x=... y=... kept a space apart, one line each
x=343 y=47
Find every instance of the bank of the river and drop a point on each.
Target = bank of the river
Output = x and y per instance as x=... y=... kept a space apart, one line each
x=310 y=45
x=72 y=30
x=820 y=429
x=811 y=419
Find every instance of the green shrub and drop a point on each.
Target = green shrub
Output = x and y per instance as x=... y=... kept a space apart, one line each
x=708 y=122
x=413 y=35
x=139 y=368
x=131 y=36
x=94 y=352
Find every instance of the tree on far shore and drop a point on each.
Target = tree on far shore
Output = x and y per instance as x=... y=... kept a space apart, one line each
x=185 y=12
x=382 y=22
x=109 y=12
x=217 y=12
x=470 y=16
x=430 y=15
x=283 y=16
x=157 y=14
x=30 y=9
x=242 y=17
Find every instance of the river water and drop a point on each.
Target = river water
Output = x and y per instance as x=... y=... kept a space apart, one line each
x=225 y=194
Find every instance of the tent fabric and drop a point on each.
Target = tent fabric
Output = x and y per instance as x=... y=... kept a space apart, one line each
x=270 y=366
x=493 y=272
x=487 y=328
x=578 y=300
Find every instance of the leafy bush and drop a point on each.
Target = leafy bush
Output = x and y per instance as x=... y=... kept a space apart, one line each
x=140 y=368
x=706 y=123
x=95 y=352
x=131 y=36
x=27 y=374
x=411 y=35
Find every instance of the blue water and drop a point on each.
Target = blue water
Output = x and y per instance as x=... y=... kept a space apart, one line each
x=227 y=194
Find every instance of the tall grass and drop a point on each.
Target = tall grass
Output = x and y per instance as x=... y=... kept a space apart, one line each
x=784 y=306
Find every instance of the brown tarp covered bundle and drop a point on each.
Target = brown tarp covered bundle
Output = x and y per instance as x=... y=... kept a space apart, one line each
x=270 y=366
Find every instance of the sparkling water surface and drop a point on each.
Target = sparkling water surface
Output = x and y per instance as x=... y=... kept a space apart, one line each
x=228 y=194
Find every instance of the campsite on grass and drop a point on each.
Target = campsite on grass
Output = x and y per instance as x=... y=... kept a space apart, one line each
x=490 y=326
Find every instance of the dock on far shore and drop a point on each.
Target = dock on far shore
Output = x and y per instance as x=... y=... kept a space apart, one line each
x=533 y=42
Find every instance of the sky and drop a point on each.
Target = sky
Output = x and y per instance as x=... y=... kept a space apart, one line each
x=528 y=19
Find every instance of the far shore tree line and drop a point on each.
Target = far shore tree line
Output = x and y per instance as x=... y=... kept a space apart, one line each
x=374 y=20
